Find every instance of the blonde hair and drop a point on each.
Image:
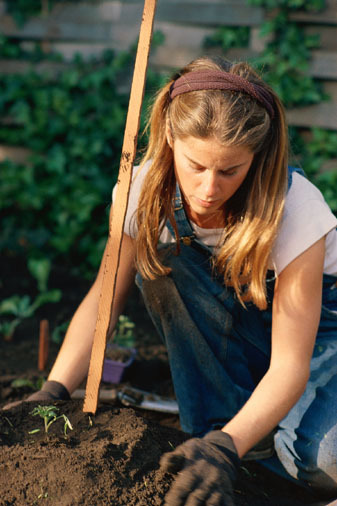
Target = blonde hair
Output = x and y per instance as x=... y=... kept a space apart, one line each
x=254 y=212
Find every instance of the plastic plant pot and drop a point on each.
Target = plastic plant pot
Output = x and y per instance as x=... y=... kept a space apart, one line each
x=113 y=370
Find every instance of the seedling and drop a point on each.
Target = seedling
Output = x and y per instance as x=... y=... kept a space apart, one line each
x=25 y=382
x=124 y=333
x=18 y=308
x=49 y=415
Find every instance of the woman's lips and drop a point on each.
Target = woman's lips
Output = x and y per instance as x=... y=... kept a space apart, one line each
x=206 y=203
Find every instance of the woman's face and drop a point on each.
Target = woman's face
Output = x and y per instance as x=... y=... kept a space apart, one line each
x=208 y=174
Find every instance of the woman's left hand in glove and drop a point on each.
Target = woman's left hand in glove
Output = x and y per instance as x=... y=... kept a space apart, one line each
x=206 y=469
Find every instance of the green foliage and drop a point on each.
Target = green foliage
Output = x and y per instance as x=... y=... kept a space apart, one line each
x=124 y=334
x=21 y=10
x=57 y=203
x=59 y=332
x=285 y=61
x=25 y=382
x=314 y=154
x=12 y=49
x=18 y=308
x=227 y=37
x=313 y=5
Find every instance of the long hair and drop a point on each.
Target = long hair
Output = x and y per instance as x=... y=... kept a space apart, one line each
x=254 y=212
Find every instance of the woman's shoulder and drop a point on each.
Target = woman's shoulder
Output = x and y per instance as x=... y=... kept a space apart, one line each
x=302 y=192
x=307 y=217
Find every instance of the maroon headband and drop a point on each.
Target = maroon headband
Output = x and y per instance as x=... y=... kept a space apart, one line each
x=221 y=80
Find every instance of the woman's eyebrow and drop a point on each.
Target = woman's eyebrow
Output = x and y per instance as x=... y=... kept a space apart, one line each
x=222 y=170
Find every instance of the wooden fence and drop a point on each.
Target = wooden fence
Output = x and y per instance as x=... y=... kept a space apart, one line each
x=89 y=27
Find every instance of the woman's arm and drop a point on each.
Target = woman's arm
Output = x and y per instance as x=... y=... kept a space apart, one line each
x=72 y=363
x=296 y=314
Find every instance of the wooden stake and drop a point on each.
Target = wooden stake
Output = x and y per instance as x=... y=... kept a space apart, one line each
x=43 y=345
x=117 y=218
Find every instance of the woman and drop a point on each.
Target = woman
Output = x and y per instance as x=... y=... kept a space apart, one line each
x=236 y=257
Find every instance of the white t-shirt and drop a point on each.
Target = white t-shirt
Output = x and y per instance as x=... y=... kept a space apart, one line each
x=306 y=219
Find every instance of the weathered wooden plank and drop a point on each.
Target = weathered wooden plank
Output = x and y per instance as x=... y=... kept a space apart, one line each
x=49 y=28
x=21 y=67
x=330 y=87
x=87 y=50
x=182 y=35
x=86 y=12
x=15 y=154
x=324 y=64
x=328 y=15
x=327 y=36
x=210 y=13
x=105 y=10
x=173 y=58
x=322 y=115
x=329 y=166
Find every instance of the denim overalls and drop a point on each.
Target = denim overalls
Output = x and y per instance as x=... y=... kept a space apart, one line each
x=218 y=352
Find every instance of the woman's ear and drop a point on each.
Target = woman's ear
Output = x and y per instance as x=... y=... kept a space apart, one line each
x=169 y=136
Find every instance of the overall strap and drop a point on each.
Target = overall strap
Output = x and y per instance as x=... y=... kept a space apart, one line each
x=291 y=171
x=186 y=233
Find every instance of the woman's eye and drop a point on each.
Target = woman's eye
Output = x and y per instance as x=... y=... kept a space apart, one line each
x=228 y=173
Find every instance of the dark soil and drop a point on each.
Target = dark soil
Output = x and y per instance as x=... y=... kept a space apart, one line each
x=118 y=354
x=111 y=458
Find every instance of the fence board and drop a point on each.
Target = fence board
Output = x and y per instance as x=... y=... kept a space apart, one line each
x=327 y=36
x=21 y=67
x=331 y=89
x=48 y=28
x=176 y=57
x=210 y=13
x=15 y=154
x=322 y=115
x=324 y=64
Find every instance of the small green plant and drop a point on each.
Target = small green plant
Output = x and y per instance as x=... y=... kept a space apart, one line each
x=25 y=382
x=59 y=332
x=124 y=333
x=19 y=308
x=228 y=37
x=50 y=415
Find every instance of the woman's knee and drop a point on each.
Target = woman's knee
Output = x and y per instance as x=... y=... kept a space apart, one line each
x=313 y=462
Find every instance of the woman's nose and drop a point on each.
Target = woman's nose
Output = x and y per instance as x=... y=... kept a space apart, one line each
x=210 y=183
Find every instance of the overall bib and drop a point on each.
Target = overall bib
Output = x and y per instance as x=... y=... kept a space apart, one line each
x=219 y=351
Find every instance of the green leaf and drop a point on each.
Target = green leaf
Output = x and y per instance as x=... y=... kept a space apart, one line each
x=40 y=269
x=15 y=305
x=47 y=297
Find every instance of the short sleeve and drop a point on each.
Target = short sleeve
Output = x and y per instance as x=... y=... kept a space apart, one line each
x=138 y=175
x=307 y=218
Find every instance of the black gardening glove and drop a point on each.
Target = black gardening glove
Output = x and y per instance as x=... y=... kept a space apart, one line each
x=51 y=391
x=208 y=468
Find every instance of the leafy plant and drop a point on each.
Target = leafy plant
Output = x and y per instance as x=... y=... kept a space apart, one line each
x=21 y=10
x=227 y=37
x=50 y=415
x=23 y=307
x=59 y=332
x=25 y=382
x=57 y=202
x=124 y=333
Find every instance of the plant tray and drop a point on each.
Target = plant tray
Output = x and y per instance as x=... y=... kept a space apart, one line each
x=113 y=370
